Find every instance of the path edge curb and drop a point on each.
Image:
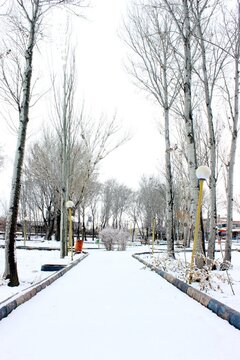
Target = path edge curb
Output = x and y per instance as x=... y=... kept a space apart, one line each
x=27 y=294
x=218 y=308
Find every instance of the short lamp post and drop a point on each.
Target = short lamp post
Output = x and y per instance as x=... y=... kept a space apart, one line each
x=70 y=206
x=203 y=172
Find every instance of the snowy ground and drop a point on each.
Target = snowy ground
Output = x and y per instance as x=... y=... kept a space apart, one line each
x=109 y=307
x=30 y=261
x=29 y=264
x=221 y=285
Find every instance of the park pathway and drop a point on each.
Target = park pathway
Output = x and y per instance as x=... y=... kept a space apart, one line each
x=109 y=307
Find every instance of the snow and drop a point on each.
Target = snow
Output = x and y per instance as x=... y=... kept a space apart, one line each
x=29 y=264
x=218 y=285
x=110 y=306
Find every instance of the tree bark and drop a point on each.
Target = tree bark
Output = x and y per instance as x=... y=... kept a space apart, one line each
x=212 y=140
x=58 y=221
x=231 y=164
x=188 y=116
x=169 y=190
x=11 y=264
x=186 y=34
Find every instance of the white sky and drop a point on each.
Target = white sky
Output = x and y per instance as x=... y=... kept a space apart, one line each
x=106 y=88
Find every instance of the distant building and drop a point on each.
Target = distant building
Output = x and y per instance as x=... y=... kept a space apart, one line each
x=222 y=228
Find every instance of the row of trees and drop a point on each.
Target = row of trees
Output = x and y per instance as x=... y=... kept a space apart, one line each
x=102 y=205
x=65 y=164
x=108 y=204
x=185 y=54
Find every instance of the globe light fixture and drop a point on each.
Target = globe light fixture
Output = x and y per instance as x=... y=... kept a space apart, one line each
x=203 y=172
x=69 y=204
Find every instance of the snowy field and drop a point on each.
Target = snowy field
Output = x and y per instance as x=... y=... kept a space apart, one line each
x=222 y=286
x=29 y=264
x=109 y=307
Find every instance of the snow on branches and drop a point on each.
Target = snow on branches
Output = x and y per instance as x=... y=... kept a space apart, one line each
x=112 y=238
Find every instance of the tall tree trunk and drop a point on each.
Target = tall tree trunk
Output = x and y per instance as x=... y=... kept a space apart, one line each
x=169 y=189
x=212 y=144
x=231 y=164
x=93 y=228
x=50 y=224
x=10 y=263
x=78 y=225
x=65 y=167
x=83 y=224
x=58 y=222
x=186 y=33
x=188 y=116
x=63 y=222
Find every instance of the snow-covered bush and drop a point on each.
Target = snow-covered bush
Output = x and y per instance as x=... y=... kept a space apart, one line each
x=205 y=279
x=113 y=237
x=107 y=237
x=122 y=238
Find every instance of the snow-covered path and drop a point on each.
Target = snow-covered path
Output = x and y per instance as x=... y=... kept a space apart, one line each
x=110 y=308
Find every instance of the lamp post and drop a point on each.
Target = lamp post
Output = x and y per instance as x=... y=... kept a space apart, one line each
x=70 y=206
x=202 y=173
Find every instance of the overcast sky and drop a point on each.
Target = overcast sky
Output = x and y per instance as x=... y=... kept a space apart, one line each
x=106 y=88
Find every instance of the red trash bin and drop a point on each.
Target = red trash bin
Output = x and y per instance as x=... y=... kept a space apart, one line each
x=78 y=246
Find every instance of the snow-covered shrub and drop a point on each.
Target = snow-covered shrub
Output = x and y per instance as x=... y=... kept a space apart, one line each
x=108 y=238
x=176 y=267
x=122 y=238
x=205 y=279
x=111 y=237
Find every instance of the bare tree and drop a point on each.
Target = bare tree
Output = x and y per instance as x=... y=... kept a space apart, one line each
x=151 y=200
x=99 y=138
x=26 y=18
x=232 y=26
x=84 y=144
x=211 y=61
x=42 y=181
x=107 y=195
x=94 y=198
x=152 y=38
x=120 y=202
x=180 y=13
x=67 y=128
x=136 y=215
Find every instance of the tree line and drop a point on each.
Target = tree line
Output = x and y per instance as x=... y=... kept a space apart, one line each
x=185 y=55
x=103 y=205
